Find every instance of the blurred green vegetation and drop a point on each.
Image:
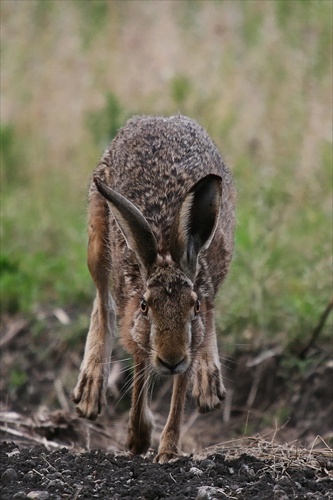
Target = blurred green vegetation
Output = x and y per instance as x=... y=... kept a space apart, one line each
x=105 y=123
x=256 y=74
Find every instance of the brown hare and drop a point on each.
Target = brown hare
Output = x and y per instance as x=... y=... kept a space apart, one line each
x=161 y=223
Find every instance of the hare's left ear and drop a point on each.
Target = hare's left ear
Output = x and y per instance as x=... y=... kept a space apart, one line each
x=196 y=223
x=135 y=228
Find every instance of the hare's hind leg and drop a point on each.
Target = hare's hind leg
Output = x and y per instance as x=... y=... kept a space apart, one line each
x=208 y=387
x=90 y=388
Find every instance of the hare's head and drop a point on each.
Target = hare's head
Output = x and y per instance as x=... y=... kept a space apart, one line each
x=168 y=323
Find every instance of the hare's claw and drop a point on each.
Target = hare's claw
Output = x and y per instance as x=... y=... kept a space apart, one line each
x=208 y=387
x=167 y=456
x=89 y=394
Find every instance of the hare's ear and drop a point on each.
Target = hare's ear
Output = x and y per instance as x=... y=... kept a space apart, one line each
x=196 y=223
x=135 y=228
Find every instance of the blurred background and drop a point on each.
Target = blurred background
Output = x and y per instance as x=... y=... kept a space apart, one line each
x=257 y=74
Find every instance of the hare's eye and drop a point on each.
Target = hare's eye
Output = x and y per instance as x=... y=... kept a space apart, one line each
x=197 y=307
x=144 y=307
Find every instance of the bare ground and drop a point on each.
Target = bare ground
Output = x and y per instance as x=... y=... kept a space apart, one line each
x=271 y=439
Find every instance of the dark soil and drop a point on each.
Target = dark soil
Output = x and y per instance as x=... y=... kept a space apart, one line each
x=37 y=473
x=47 y=452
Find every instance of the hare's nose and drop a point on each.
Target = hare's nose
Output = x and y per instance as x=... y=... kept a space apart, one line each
x=172 y=367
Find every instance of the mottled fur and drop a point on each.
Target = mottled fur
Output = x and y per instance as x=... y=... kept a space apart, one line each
x=173 y=248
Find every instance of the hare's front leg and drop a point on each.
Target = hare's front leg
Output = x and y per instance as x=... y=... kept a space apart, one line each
x=208 y=387
x=90 y=388
x=169 y=445
x=140 y=420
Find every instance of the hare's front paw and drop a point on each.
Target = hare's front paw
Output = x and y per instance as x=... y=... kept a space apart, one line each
x=164 y=457
x=89 y=392
x=139 y=433
x=168 y=449
x=208 y=388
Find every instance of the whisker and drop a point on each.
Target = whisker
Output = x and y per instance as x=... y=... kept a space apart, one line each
x=135 y=378
x=110 y=361
x=125 y=390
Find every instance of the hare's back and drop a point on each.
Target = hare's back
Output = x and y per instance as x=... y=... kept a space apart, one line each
x=154 y=161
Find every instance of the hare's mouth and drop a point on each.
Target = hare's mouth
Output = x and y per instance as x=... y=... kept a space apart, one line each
x=172 y=366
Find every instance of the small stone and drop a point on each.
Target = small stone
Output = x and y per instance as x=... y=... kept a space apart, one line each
x=67 y=472
x=9 y=475
x=29 y=476
x=207 y=493
x=279 y=493
x=54 y=475
x=20 y=495
x=13 y=453
x=194 y=471
x=55 y=483
x=207 y=464
x=39 y=495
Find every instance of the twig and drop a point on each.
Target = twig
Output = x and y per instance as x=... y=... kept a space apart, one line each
x=59 y=389
x=13 y=330
x=317 y=329
x=254 y=387
x=36 y=439
x=227 y=405
x=319 y=438
x=246 y=424
x=77 y=492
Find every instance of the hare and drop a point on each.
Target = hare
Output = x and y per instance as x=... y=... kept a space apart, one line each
x=161 y=223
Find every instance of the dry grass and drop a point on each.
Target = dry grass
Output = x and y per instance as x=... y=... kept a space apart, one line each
x=288 y=454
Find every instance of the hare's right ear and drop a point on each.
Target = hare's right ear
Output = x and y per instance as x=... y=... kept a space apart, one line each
x=134 y=226
x=196 y=223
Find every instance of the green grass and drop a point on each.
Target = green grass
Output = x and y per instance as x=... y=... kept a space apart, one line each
x=43 y=257
x=256 y=74
x=280 y=279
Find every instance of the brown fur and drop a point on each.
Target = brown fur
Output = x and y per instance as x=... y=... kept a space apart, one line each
x=161 y=221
